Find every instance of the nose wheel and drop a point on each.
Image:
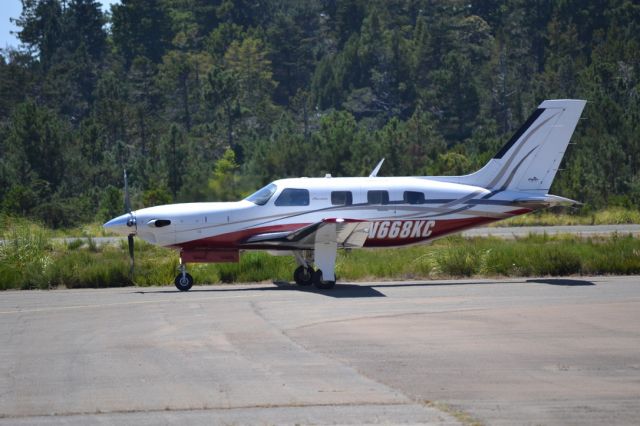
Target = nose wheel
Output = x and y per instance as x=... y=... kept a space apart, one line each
x=183 y=280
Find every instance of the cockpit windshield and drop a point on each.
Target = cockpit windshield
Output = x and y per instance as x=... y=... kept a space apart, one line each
x=261 y=196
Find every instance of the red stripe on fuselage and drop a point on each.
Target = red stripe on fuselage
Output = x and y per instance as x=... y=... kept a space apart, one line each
x=396 y=233
x=232 y=240
x=520 y=211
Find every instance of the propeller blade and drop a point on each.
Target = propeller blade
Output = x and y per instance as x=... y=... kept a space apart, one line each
x=127 y=202
x=130 y=240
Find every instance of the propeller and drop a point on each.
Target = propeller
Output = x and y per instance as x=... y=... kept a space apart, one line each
x=127 y=201
x=130 y=240
x=130 y=223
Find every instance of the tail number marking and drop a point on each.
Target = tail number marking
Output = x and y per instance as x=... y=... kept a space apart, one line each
x=401 y=229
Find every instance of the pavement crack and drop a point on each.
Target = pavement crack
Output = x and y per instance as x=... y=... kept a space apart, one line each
x=400 y=315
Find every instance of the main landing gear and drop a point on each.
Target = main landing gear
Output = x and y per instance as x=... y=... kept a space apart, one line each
x=183 y=280
x=305 y=275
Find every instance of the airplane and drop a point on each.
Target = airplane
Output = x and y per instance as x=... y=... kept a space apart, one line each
x=311 y=218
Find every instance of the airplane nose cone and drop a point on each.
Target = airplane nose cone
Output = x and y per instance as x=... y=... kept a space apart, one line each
x=123 y=225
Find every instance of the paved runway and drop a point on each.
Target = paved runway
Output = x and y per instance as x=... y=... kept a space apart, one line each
x=521 y=351
x=586 y=231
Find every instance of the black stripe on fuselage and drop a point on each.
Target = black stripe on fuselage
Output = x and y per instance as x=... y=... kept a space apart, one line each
x=485 y=202
x=519 y=133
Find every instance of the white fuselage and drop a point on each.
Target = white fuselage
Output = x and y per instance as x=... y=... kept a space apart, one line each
x=396 y=218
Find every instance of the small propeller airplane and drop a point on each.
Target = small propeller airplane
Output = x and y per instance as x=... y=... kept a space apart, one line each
x=311 y=218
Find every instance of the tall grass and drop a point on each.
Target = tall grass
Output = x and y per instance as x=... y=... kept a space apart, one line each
x=25 y=256
x=534 y=255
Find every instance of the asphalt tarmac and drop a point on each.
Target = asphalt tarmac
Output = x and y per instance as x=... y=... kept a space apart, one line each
x=557 y=351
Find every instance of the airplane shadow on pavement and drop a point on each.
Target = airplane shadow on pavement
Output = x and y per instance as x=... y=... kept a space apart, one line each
x=561 y=281
x=339 y=291
x=361 y=290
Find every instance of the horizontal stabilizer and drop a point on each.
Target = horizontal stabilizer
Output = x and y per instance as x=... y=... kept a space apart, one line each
x=544 y=202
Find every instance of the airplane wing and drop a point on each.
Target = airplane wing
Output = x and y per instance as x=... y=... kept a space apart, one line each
x=349 y=234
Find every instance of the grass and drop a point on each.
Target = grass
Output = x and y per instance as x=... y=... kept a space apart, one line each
x=488 y=257
x=31 y=259
x=94 y=229
x=610 y=216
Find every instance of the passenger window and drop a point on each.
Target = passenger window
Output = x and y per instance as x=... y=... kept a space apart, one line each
x=378 y=197
x=413 y=197
x=293 y=197
x=341 y=198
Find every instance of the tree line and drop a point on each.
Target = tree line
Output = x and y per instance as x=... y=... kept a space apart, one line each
x=210 y=99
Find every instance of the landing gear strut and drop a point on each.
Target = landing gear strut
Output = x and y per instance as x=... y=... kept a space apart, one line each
x=183 y=280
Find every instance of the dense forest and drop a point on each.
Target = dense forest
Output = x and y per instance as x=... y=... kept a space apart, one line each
x=210 y=99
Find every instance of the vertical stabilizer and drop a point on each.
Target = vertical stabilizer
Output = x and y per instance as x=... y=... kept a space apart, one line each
x=530 y=159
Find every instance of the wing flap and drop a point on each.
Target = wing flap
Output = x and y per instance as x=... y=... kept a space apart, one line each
x=355 y=235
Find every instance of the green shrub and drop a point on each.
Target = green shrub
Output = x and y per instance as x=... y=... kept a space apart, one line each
x=75 y=244
x=457 y=261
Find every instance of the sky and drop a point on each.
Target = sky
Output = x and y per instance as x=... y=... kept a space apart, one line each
x=12 y=9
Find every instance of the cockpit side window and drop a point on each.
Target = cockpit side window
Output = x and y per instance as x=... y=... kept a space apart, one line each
x=261 y=196
x=293 y=197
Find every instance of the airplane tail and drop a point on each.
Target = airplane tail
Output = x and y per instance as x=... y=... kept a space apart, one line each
x=530 y=159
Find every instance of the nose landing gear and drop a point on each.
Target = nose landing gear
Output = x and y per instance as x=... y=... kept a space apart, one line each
x=183 y=280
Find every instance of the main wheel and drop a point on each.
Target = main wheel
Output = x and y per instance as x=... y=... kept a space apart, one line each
x=303 y=276
x=320 y=283
x=183 y=282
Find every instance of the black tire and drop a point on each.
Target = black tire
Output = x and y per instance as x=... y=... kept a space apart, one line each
x=320 y=283
x=303 y=276
x=183 y=283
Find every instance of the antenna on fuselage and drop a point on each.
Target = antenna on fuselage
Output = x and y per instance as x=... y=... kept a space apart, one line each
x=375 y=171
